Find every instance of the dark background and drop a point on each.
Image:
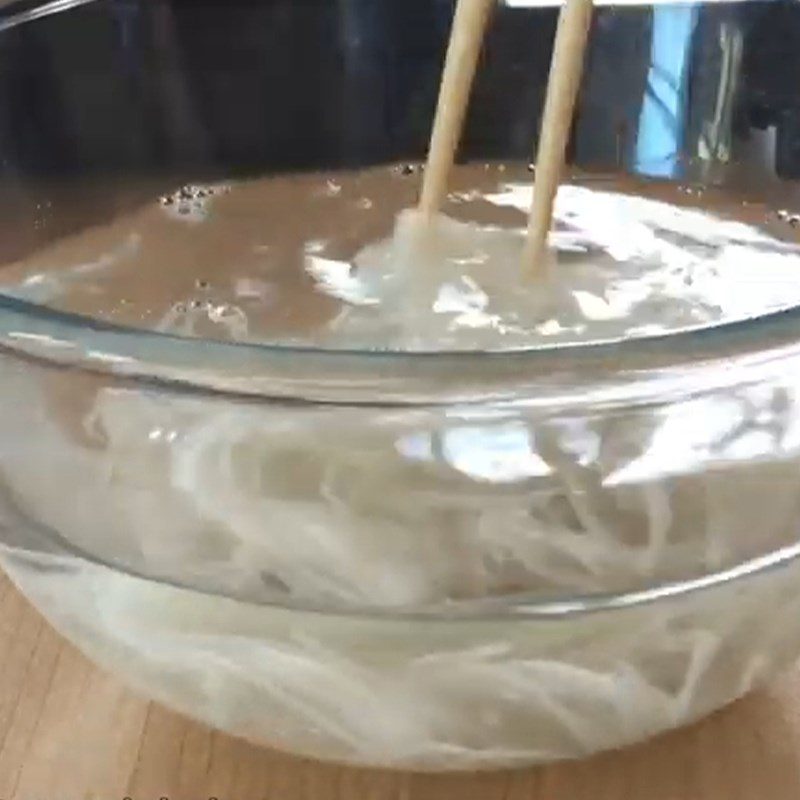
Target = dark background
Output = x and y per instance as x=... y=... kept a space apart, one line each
x=238 y=85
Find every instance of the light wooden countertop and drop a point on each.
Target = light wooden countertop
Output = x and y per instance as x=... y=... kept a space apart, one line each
x=69 y=731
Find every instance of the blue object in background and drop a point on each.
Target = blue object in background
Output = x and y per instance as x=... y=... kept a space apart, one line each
x=663 y=119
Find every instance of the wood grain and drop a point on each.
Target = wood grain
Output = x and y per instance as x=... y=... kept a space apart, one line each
x=69 y=732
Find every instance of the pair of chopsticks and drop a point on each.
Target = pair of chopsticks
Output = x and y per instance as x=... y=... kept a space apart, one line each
x=469 y=28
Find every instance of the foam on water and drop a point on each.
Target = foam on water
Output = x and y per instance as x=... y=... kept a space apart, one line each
x=624 y=266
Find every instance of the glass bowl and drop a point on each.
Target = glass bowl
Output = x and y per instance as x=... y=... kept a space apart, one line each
x=416 y=560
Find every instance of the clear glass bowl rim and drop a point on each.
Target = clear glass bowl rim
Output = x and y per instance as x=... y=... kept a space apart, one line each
x=64 y=339
x=625 y=372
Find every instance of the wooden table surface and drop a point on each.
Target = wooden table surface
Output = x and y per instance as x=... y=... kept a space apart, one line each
x=69 y=731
